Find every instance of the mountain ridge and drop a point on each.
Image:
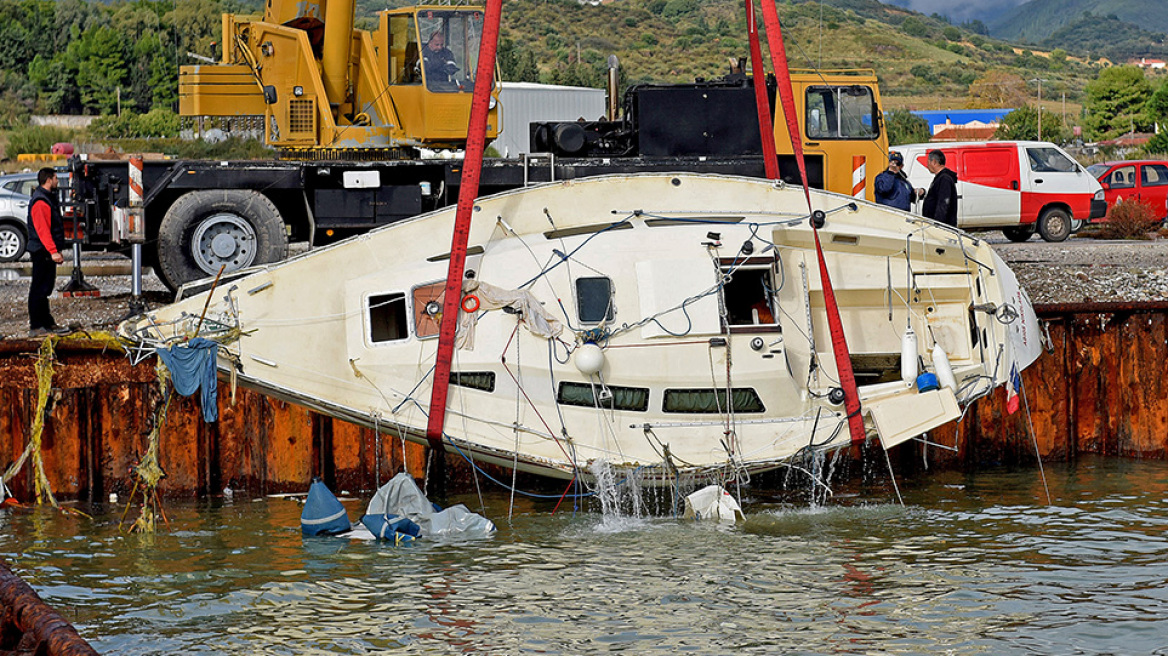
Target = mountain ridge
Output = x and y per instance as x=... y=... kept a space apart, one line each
x=1039 y=19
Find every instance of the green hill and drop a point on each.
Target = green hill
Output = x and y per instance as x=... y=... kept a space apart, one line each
x=1107 y=36
x=1038 y=19
x=79 y=57
x=916 y=56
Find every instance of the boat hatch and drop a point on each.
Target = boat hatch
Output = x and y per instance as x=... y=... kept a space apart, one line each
x=908 y=414
x=387 y=317
x=749 y=297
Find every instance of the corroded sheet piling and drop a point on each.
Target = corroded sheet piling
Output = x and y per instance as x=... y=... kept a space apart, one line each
x=1103 y=389
x=100 y=413
x=30 y=626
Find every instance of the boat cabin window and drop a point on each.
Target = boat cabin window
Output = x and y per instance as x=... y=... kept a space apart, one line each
x=387 y=317
x=712 y=401
x=841 y=112
x=749 y=298
x=428 y=308
x=594 y=299
x=612 y=397
x=480 y=380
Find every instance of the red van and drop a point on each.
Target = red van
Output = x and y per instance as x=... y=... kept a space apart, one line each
x=1144 y=181
x=1020 y=187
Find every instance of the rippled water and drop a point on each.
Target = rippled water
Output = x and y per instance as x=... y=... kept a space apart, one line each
x=974 y=565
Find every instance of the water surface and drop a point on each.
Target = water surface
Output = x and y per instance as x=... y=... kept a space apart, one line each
x=975 y=564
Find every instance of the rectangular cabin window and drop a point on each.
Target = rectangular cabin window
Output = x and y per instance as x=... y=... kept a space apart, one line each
x=712 y=401
x=635 y=399
x=387 y=317
x=842 y=112
x=480 y=380
x=750 y=300
x=594 y=299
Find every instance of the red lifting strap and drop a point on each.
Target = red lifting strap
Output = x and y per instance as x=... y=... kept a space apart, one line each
x=467 y=193
x=766 y=126
x=839 y=342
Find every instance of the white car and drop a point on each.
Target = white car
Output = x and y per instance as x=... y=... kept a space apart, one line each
x=15 y=191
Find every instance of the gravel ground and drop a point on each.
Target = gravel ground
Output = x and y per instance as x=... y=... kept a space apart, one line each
x=1077 y=270
x=1083 y=270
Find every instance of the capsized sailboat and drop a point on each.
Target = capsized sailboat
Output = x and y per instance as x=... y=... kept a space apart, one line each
x=673 y=324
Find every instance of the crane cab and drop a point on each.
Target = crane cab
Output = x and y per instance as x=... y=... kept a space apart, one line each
x=430 y=55
x=323 y=90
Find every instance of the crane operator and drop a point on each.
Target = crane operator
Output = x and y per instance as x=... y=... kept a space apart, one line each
x=439 y=63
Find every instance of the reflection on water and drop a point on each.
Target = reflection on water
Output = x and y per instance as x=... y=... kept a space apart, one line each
x=973 y=565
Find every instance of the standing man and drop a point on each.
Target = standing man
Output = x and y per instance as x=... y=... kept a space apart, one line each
x=941 y=201
x=892 y=185
x=46 y=239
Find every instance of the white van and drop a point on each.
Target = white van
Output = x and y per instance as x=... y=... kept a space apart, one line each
x=1018 y=186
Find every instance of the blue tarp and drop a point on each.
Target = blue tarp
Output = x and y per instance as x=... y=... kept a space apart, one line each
x=192 y=366
x=323 y=513
x=391 y=527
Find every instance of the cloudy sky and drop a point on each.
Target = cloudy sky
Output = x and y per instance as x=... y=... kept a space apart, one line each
x=983 y=10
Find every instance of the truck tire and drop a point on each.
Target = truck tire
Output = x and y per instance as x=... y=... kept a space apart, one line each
x=1054 y=225
x=231 y=229
x=1019 y=233
x=12 y=242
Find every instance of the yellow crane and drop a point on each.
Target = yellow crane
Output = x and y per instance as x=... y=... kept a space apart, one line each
x=325 y=90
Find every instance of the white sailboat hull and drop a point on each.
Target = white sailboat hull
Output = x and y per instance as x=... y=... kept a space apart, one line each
x=654 y=270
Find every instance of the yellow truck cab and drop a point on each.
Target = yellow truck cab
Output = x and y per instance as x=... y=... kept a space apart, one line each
x=844 y=140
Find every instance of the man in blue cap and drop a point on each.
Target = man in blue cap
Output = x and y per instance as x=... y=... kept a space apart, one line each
x=892 y=186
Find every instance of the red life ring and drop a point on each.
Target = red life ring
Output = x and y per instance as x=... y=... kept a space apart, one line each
x=470 y=303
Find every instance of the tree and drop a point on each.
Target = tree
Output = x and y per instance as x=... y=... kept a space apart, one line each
x=101 y=68
x=1157 y=108
x=1116 y=102
x=197 y=23
x=1157 y=145
x=905 y=127
x=1022 y=125
x=517 y=63
x=997 y=89
x=55 y=84
x=913 y=26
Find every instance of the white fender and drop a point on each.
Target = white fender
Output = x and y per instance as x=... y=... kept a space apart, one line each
x=908 y=357
x=943 y=369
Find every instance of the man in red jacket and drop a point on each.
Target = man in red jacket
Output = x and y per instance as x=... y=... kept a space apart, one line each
x=46 y=239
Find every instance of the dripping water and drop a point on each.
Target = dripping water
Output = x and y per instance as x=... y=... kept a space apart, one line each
x=621 y=496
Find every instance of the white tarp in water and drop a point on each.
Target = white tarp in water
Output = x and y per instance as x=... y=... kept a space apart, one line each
x=402 y=497
x=712 y=503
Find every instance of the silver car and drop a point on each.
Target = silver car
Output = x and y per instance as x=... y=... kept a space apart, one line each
x=15 y=191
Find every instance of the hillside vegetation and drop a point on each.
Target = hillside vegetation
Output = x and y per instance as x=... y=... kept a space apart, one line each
x=80 y=57
x=1036 y=20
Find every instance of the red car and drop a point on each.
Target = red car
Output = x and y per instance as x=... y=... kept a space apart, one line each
x=1145 y=181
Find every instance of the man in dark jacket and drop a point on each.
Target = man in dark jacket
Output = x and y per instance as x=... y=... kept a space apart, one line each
x=892 y=186
x=941 y=201
x=46 y=240
x=439 y=63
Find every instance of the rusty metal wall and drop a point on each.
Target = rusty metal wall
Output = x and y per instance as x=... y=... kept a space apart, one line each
x=1101 y=391
x=101 y=413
